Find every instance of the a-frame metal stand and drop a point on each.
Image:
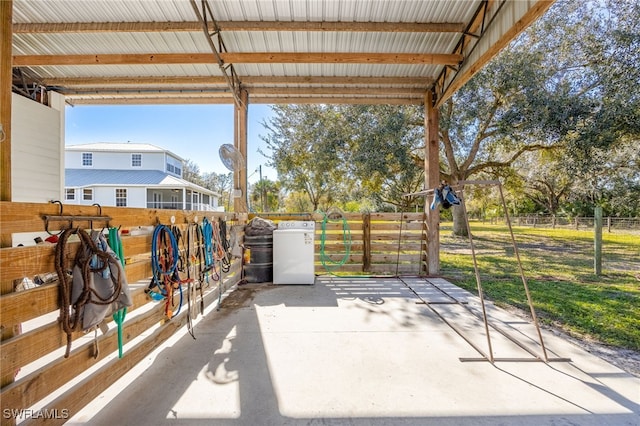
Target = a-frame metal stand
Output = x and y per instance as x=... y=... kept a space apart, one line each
x=489 y=355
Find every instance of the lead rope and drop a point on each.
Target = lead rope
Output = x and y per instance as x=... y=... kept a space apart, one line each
x=116 y=245
x=190 y=281
x=164 y=263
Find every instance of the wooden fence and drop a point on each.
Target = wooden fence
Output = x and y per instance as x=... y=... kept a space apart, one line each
x=37 y=378
x=368 y=243
x=32 y=348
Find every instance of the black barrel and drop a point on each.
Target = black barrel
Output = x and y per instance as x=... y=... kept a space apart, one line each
x=260 y=266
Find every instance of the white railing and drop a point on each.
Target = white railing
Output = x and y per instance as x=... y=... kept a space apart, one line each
x=178 y=205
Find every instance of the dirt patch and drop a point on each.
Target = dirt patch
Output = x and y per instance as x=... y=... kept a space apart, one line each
x=242 y=296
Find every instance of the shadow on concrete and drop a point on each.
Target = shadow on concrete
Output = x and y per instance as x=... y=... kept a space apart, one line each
x=344 y=352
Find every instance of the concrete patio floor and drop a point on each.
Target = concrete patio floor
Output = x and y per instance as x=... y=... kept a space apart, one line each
x=358 y=351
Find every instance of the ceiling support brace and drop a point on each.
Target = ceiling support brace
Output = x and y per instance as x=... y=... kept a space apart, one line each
x=474 y=31
x=205 y=16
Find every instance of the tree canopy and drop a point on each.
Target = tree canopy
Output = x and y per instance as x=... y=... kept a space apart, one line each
x=555 y=116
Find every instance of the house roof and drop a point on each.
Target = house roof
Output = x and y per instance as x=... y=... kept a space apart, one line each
x=285 y=51
x=110 y=146
x=79 y=178
x=119 y=147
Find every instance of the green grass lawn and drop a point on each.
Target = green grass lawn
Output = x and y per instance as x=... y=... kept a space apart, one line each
x=558 y=267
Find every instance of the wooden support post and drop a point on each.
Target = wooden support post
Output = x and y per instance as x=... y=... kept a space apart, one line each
x=431 y=180
x=240 y=143
x=6 y=13
x=366 y=242
x=597 y=241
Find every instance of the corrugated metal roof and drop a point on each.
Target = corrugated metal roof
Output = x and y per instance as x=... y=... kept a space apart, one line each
x=115 y=147
x=81 y=178
x=65 y=45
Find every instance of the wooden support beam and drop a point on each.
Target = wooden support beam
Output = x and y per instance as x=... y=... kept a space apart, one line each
x=6 y=12
x=268 y=100
x=366 y=242
x=96 y=27
x=432 y=179
x=247 y=81
x=449 y=85
x=305 y=91
x=240 y=143
x=239 y=58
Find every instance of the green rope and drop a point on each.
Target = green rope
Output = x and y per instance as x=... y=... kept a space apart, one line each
x=116 y=245
x=329 y=264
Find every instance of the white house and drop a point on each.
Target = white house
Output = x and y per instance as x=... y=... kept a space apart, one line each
x=131 y=175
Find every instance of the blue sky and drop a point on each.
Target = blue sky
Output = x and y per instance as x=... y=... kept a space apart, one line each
x=194 y=132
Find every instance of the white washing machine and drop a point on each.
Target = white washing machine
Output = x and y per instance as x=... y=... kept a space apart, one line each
x=293 y=252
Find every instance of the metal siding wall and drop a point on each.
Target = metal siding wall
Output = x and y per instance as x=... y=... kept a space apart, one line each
x=36 y=153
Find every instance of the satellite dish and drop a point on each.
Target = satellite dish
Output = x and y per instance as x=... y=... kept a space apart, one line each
x=231 y=157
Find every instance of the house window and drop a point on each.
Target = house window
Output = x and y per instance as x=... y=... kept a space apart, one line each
x=170 y=168
x=87 y=194
x=136 y=160
x=70 y=194
x=121 y=197
x=87 y=159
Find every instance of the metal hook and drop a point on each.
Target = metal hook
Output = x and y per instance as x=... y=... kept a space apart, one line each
x=46 y=220
x=57 y=202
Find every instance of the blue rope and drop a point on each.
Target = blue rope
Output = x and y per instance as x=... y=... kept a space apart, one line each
x=207 y=234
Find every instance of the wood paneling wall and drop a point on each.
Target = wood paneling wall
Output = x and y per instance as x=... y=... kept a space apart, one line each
x=42 y=343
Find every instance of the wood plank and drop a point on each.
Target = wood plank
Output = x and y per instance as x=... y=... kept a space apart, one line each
x=377 y=247
x=432 y=180
x=391 y=269
x=54 y=375
x=366 y=238
x=239 y=58
x=395 y=217
x=21 y=262
x=27 y=217
x=385 y=227
x=6 y=17
x=42 y=382
x=333 y=100
x=247 y=81
x=29 y=304
x=532 y=14
x=349 y=267
x=22 y=306
x=393 y=258
x=393 y=238
x=196 y=26
x=81 y=394
x=28 y=347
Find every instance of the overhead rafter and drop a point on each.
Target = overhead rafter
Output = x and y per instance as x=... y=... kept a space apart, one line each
x=451 y=79
x=206 y=18
x=246 y=80
x=239 y=58
x=300 y=91
x=269 y=100
x=92 y=27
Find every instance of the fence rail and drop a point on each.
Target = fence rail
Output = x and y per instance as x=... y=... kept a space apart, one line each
x=33 y=367
x=583 y=222
x=379 y=243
